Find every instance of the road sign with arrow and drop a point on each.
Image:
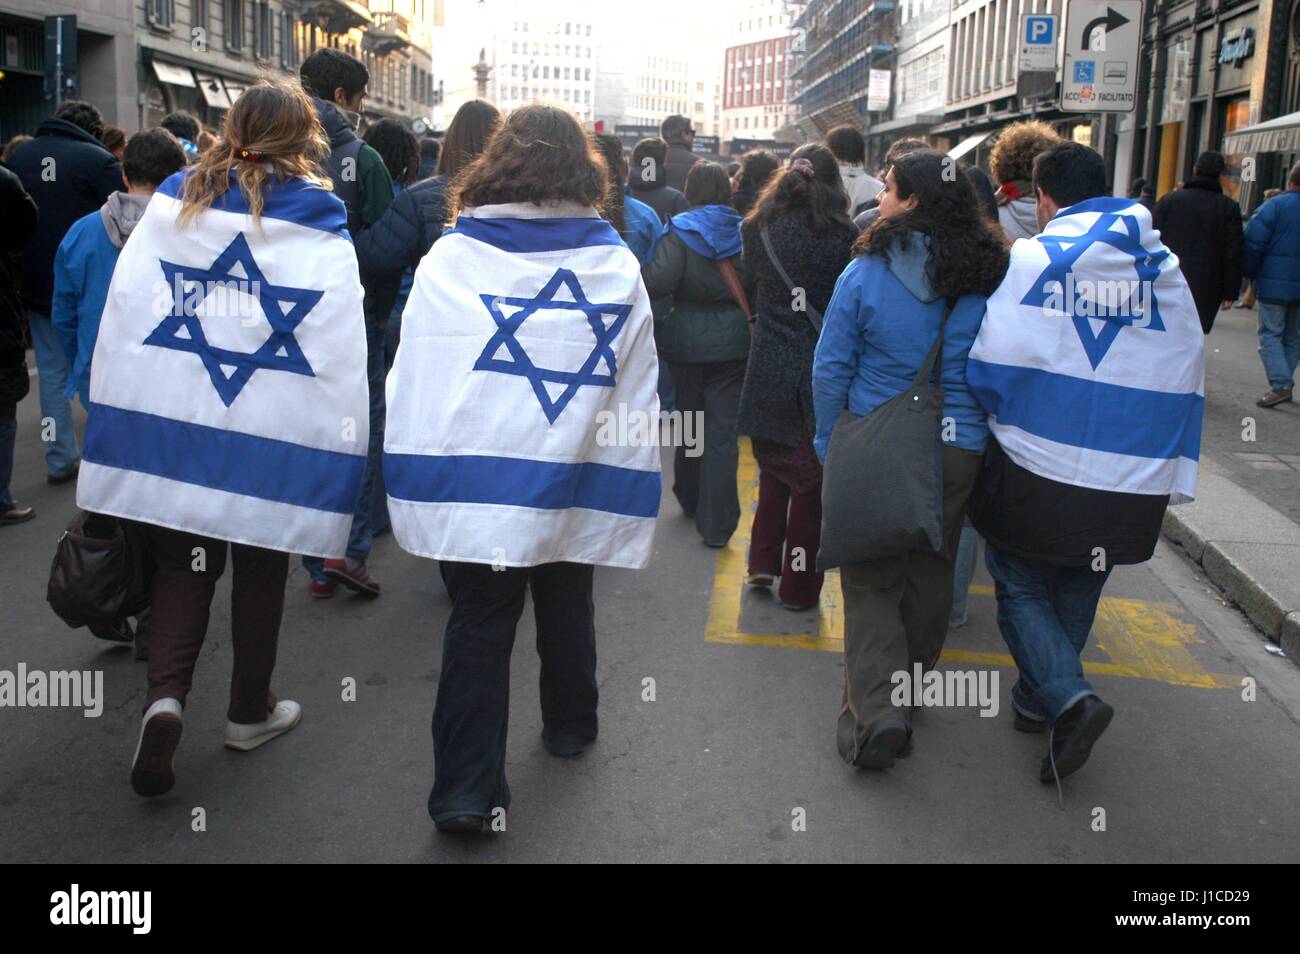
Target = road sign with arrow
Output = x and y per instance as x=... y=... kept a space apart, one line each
x=1102 y=38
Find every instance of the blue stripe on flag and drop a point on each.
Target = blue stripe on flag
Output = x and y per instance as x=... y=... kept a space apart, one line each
x=516 y=482
x=295 y=201
x=536 y=235
x=1089 y=414
x=223 y=460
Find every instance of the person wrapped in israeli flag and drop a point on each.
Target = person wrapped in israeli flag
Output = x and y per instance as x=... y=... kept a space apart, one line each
x=228 y=396
x=527 y=330
x=1090 y=361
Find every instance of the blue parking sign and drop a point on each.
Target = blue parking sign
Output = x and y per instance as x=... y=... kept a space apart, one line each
x=1040 y=31
x=1085 y=71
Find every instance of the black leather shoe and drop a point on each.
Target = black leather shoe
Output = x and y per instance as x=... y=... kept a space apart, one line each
x=883 y=743
x=566 y=745
x=460 y=825
x=1073 y=736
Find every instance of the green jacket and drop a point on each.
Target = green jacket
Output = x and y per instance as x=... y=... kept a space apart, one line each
x=376 y=185
x=704 y=324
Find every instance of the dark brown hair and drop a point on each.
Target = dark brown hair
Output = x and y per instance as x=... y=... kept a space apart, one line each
x=847 y=144
x=819 y=194
x=611 y=147
x=468 y=134
x=965 y=255
x=540 y=154
x=708 y=184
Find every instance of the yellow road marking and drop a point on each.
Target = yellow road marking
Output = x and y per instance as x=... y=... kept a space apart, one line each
x=1143 y=640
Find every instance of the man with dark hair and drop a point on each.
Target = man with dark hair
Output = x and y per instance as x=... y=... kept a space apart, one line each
x=850 y=149
x=1202 y=226
x=336 y=83
x=186 y=129
x=1272 y=262
x=88 y=254
x=647 y=179
x=69 y=174
x=676 y=131
x=1096 y=429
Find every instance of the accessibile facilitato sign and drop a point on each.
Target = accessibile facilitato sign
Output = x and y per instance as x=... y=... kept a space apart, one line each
x=1102 y=38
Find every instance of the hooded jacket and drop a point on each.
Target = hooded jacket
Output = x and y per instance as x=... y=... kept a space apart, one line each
x=369 y=193
x=1019 y=218
x=86 y=175
x=705 y=323
x=653 y=192
x=878 y=328
x=83 y=269
x=1202 y=226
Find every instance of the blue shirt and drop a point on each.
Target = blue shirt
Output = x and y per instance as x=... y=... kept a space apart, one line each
x=83 y=268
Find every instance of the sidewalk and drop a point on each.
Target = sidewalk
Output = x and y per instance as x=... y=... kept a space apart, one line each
x=1248 y=548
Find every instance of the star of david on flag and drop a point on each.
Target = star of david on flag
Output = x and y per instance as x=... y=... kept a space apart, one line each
x=521 y=364
x=1064 y=253
x=229 y=370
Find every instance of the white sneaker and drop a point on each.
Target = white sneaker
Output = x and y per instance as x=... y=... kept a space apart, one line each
x=152 y=767
x=247 y=736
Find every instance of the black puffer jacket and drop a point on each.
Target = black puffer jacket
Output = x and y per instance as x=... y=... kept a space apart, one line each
x=776 y=402
x=18 y=213
x=68 y=174
x=401 y=237
x=1202 y=226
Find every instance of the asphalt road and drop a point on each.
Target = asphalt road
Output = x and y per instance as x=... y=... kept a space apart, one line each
x=736 y=747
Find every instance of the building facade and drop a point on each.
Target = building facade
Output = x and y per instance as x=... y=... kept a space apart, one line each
x=545 y=51
x=147 y=58
x=758 y=72
x=1210 y=68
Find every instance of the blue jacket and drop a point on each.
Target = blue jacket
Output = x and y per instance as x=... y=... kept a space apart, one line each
x=641 y=228
x=1272 y=258
x=83 y=268
x=880 y=324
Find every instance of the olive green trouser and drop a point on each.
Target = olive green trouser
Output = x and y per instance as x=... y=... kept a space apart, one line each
x=896 y=614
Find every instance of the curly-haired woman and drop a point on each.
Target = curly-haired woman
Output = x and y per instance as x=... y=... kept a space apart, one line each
x=1012 y=165
x=923 y=270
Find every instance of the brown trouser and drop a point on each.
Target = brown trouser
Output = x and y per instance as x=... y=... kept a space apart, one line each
x=896 y=614
x=188 y=567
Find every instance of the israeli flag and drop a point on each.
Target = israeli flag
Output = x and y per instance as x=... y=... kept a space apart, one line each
x=1091 y=359
x=527 y=332
x=228 y=388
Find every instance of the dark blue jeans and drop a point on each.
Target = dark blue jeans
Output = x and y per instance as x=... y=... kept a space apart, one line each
x=8 y=435
x=362 y=536
x=473 y=707
x=1045 y=613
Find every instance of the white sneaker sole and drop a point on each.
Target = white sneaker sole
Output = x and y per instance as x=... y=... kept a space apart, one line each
x=247 y=745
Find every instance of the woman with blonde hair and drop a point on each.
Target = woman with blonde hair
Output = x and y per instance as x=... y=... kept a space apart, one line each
x=230 y=348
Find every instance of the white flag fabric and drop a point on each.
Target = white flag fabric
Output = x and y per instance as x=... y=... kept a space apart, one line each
x=228 y=390
x=1091 y=359
x=525 y=329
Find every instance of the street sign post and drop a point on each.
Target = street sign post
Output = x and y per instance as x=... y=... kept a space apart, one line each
x=1101 y=41
x=1036 y=66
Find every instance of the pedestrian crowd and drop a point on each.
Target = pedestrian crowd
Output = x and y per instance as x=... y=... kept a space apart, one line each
x=927 y=346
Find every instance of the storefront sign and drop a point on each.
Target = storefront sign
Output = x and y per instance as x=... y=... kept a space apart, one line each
x=878 y=90
x=1237 y=46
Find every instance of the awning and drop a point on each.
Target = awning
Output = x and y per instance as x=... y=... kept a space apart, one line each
x=214 y=94
x=171 y=73
x=967 y=145
x=234 y=90
x=1276 y=135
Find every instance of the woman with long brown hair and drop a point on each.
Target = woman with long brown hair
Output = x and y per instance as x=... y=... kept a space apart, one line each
x=798 y=232
x=216 y=427
x=920 y=279
x=527 y=328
